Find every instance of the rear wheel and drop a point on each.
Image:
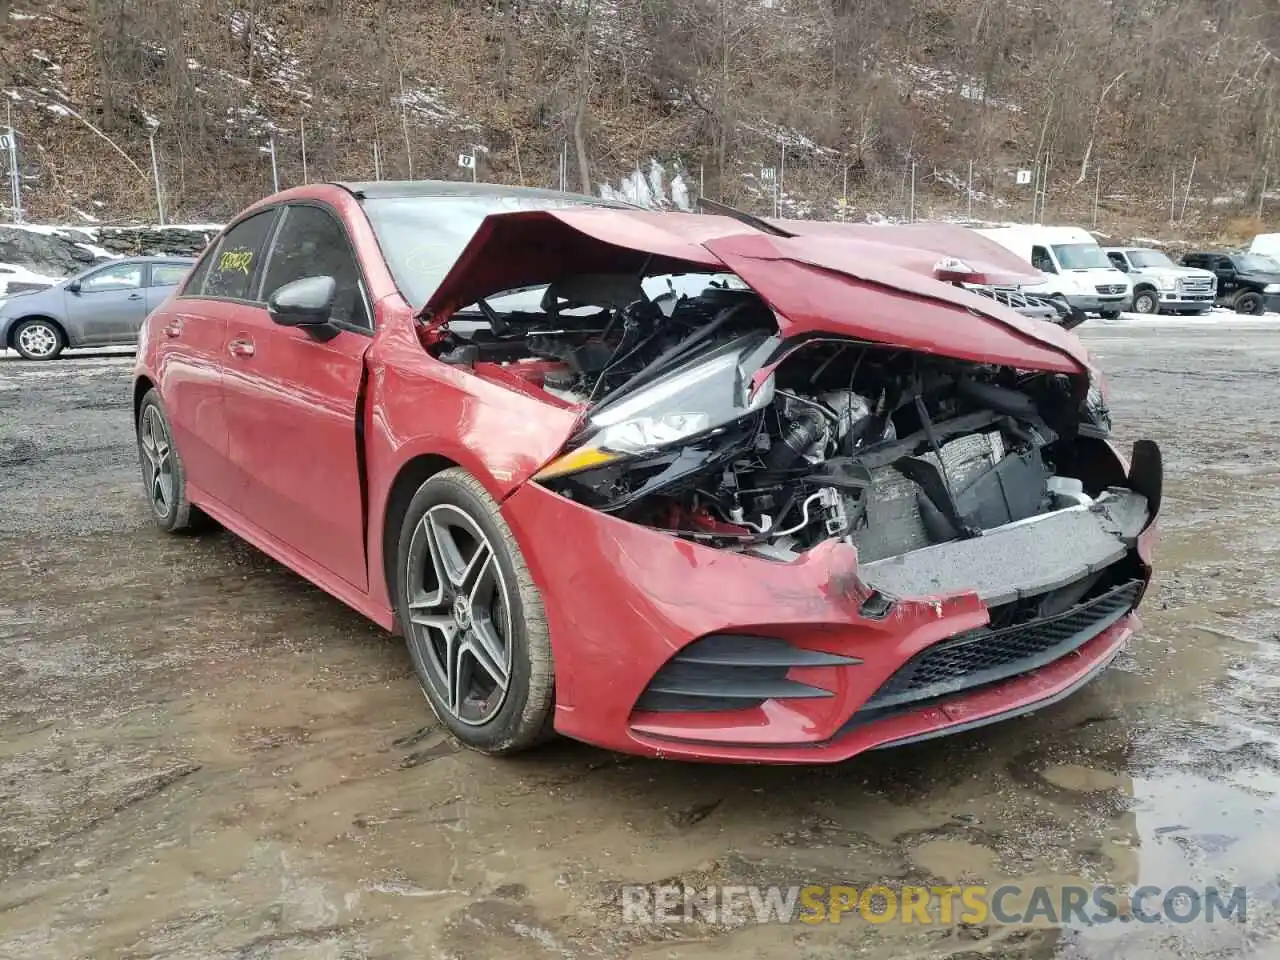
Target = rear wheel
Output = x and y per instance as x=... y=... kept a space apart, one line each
x=38 y=339
x=163 y=475
x=1109 y=314
x=1146 y=301
x=1250 y=303
x=473 y=619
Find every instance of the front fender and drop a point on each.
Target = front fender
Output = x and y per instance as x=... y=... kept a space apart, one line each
x=418 y=406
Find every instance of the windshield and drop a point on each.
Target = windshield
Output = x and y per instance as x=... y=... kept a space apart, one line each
x=421 y=237
x=1081 y=256
x=1149 y=258
x=1257 y=263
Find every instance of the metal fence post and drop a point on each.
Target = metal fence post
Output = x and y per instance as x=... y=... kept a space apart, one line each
x=155 y=172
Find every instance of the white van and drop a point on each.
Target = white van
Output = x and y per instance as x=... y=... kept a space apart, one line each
x=1266 y=245
x=1075 y=268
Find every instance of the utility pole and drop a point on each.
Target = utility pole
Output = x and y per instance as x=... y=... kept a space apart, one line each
x=155 y=172
x=475 y=161
x=970 y=214
x=1261 y=197
x=782 y=176
x=15 y=176
x=275 y=172
x=911 y=217
x=1182 y=216
x=302 y=129
x=404 y=125
x=1097 y=193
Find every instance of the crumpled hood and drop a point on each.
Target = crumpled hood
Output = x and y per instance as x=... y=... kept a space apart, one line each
x=874 y=283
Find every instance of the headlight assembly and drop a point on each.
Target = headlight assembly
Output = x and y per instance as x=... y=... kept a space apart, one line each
x=702 y=398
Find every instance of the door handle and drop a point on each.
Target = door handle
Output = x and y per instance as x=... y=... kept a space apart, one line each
x=173 y=329
x=135 y=296
x=240 y=347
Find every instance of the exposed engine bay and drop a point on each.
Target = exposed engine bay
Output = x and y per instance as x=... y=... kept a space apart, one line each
x=701 y=420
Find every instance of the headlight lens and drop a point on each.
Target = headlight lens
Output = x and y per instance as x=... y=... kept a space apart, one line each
x=1271 y=288
x=1168 y=283
x=675 y=408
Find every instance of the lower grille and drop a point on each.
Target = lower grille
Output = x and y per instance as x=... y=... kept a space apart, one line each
x=731 y=672
x=985 y=656
x=1015 y=299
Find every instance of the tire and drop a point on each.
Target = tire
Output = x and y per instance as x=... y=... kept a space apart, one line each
x=38 y=339
x=471 y=613
x=160 y=462
x=1109 y=314
x=1250 y=303
x=1146 y=301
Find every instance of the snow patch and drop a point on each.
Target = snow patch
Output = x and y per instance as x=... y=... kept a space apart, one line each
x=650 y=189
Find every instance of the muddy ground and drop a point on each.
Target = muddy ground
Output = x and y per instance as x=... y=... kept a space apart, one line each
x=203 y=756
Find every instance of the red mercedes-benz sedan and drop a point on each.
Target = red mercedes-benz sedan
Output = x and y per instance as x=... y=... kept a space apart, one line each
x=708 y=487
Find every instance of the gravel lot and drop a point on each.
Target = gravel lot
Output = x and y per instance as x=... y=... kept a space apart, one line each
x=203 y=756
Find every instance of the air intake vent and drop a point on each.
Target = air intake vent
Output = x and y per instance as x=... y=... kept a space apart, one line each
x=732 y=672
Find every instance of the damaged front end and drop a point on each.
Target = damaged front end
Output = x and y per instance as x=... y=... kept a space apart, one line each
x=945 y=475
x=743 y=414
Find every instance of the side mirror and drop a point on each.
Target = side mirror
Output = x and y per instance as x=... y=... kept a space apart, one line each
x=74 y=287
x=303 y=303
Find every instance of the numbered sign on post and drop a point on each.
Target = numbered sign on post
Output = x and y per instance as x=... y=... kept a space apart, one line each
x=1024 y=177
x=467 y=161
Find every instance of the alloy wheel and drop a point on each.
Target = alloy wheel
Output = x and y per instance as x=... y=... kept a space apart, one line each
x=1145 y=303
x=38 y=340
x=157 y=451
x=460 y=614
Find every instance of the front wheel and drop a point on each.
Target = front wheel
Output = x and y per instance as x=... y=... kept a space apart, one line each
x=473 y=620
x=38 y=339
x=1146 y=301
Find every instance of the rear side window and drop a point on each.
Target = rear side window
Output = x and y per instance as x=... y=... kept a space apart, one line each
x=168 y=274
x=232 y=267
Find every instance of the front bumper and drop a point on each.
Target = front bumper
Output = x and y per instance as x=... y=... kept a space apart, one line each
x=623 y=602
x=1095 y=303
x=1173 y=300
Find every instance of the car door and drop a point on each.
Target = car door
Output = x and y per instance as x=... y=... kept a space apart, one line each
x=162 y=280
x=107 y=306
x=291 y=401
x=190 y=335
x=1226 y=271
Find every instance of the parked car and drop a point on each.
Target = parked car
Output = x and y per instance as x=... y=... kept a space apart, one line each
x=1074 y=267
x=1247 y=282
x=1162 y=286
x=102 y=306
x=825 y=500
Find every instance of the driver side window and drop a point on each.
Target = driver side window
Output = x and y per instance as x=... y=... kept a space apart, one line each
x=1041 y=260
x=1119 y=262
x=312 y=243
